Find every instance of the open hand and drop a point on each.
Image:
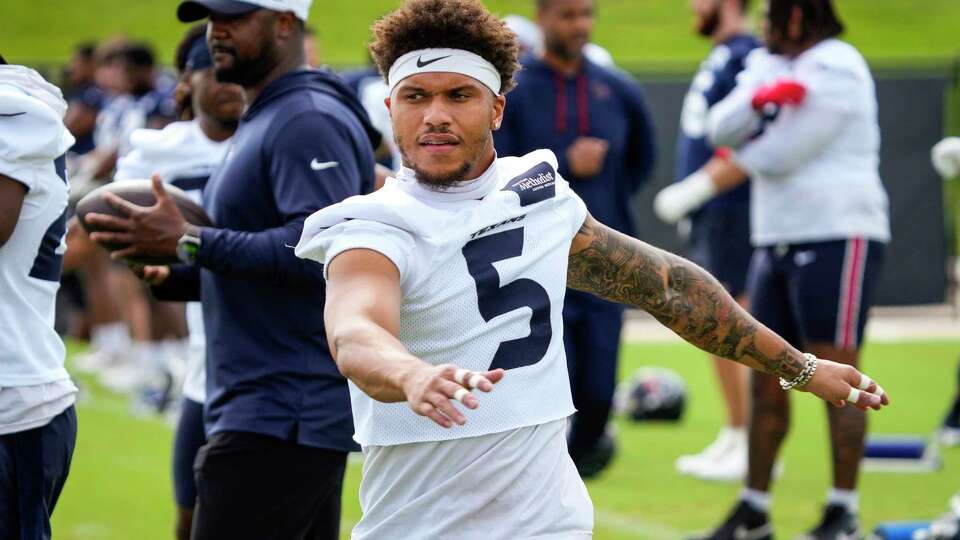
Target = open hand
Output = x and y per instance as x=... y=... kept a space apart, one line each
x=148 y=230
x=841 y=384
x=431 y=389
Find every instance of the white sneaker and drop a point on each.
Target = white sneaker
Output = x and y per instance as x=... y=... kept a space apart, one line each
x=94 y=361
x=725 y=440
x=729 y=465
x=949 y=436
x=124 y=378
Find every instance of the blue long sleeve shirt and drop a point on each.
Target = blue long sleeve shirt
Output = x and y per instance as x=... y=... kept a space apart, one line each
x=305 y=143
x=550 y=110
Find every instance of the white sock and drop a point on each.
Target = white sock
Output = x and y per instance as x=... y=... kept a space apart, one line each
x=848 y=498
x=759 y=500
x=110 y=337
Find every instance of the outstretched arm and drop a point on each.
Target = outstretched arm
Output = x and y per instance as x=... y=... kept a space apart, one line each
x=689 y=301
x=362 y=317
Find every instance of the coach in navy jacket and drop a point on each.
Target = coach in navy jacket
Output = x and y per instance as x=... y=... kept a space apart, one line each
x=595 y=120
x=278 y=411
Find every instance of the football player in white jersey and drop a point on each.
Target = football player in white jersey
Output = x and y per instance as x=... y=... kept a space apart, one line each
x=38 y=424
x=802 y=122
x=185 y=154
x=445 y=292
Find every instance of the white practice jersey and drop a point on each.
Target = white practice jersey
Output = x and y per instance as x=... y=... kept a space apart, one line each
x=815 y=166
x=33 y=141
x=185 y=157
x=483 y=275
x=483 y=272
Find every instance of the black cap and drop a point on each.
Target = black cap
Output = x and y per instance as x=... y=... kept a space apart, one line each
x=195 y=10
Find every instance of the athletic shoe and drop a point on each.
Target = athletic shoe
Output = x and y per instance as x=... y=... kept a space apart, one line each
x=95 y=360
x=949 y=435
x=726 y=441
x=946 y=527
x=591 y=462
x=838 y=523
x=743 y=523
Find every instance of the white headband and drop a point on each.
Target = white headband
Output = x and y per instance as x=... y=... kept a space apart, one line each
x=445 y=61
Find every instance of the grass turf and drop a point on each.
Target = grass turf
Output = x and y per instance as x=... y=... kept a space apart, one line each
x=119 y=486
x=648 y=32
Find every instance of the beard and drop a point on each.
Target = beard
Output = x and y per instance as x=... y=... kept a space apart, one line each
x=247 y=72
x=706 y=26
x=440 y=181
x=560 y=49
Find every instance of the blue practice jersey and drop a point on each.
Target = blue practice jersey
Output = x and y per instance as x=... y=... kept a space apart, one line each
x=716 y=78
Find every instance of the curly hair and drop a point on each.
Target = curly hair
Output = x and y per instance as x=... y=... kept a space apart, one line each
x=450 y=24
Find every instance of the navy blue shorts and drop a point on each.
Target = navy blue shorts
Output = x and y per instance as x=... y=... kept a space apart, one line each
x=187 y=441
x=720 y=243
x=816 y=292
x=33 y=468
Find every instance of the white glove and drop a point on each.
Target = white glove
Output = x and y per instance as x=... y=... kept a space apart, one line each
x=946 y=157
x=677 y=200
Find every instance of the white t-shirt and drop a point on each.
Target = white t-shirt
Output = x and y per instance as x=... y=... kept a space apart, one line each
x=483 y=270
x=815 y=166
x=184 y=157
x=34 y=386
x=516 y=485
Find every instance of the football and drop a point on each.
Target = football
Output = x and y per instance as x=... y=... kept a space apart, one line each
x=138 y=192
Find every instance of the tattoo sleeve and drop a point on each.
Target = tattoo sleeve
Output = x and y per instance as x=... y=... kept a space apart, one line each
x=681 y=295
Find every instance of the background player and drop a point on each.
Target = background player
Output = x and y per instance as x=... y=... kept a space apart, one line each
x=596 y=122
x=720 y=230
x=184 y=154
x=819 y=223
x=38 y=424
x=465 y=258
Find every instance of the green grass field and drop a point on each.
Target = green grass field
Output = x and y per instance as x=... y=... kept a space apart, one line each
x=638 y=32
x=119 y=487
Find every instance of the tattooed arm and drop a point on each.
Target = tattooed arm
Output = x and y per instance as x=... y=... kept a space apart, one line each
x=689 y=301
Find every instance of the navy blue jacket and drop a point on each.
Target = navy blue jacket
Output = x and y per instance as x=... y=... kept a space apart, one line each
x=550 y=110
x=716 y=78
x=304 y=143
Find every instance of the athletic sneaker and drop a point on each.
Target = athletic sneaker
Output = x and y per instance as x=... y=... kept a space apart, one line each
x=946 y=527
x=724 y=460
x=96 y=360
x=744 y=523
x=591 y=462
x=719 y=446
x=838 y=523
x=949 y=435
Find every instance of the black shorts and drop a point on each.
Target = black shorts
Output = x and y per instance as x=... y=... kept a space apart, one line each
x=257 y=487
x=720 y=243
x=816 y=292
x=187 y=440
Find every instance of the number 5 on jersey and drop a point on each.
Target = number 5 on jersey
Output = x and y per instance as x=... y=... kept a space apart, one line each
x=494 y=300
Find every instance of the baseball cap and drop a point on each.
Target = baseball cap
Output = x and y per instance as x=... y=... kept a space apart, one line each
x=194 y=10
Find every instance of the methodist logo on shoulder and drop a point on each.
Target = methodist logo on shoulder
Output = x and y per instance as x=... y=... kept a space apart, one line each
x=536 y=185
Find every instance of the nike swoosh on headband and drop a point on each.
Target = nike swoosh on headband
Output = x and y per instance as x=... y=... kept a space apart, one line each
x=422 y=64
x=11 y=115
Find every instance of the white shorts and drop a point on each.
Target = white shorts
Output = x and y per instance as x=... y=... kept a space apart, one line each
x=515 y=485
